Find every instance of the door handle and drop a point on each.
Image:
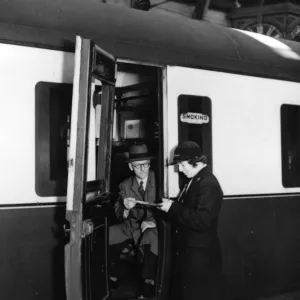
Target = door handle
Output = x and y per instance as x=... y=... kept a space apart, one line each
x=67 y=229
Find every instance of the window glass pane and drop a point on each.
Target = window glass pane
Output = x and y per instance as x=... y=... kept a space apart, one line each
x=53 y=113
x=290 y=145
x=103 y=66
x=195 y=123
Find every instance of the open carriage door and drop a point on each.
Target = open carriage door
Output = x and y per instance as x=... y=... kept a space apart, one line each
x=88 y=172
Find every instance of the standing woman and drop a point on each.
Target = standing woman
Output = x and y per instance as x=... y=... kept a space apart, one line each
x=195 y=218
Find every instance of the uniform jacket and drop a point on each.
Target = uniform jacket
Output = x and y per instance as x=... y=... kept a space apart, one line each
x=129 y=188
x=196 y=213
x=198 y=252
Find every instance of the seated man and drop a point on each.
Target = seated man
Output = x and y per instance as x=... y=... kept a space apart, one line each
x=138 y=222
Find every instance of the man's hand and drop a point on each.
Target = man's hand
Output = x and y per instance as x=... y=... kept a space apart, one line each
x=165 y=205
x=147 y=224
x=129 y=203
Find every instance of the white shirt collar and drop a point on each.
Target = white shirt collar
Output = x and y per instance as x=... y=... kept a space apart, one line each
x=144 y=181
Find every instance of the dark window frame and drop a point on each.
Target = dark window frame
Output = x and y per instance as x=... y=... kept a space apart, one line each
x=290 y=145
x=52 y=107
x=187 y=131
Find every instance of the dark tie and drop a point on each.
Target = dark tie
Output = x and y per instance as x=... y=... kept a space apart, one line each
x=141 y=189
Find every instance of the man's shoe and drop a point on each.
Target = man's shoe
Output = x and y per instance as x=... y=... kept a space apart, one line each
x=147 y=291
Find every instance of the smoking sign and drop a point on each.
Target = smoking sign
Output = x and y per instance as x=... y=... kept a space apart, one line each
x=194 y=118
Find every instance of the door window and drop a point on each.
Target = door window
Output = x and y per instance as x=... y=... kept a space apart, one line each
x=52 y=122
x=194 y=121
x=290 y=145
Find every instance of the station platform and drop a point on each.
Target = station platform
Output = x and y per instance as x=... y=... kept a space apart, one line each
x=286 y=296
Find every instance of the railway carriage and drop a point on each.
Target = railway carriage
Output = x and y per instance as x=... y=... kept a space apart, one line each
x=80 y=84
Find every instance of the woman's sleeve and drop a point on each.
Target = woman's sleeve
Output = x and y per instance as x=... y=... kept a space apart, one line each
x=208 y=203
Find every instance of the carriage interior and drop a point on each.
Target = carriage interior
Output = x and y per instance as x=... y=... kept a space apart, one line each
x=135 y=121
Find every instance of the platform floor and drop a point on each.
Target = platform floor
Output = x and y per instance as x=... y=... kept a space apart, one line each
x=287 y=296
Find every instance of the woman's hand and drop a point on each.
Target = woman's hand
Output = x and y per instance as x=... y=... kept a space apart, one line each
x=165 y=205
x=129 y=203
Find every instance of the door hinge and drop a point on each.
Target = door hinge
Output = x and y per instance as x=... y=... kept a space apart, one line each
x=87 y=228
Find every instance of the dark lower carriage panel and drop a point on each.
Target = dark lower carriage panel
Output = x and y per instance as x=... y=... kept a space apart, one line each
x=261 y=245
x=32 y=253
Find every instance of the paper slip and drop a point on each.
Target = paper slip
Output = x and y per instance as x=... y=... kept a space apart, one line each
x=146 y=203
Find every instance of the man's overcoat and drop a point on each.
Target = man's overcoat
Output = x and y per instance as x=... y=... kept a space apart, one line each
x=131 y=226
x=198 y=252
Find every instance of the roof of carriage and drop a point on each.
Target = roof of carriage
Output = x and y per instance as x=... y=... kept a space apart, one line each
x=148 y=37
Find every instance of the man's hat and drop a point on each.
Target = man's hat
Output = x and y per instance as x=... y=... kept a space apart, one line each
x=138 y=152
x=186 y=151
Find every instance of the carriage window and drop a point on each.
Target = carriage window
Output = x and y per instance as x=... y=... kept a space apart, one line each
x=52 y=123
x=195 y=122
x=290 y=145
